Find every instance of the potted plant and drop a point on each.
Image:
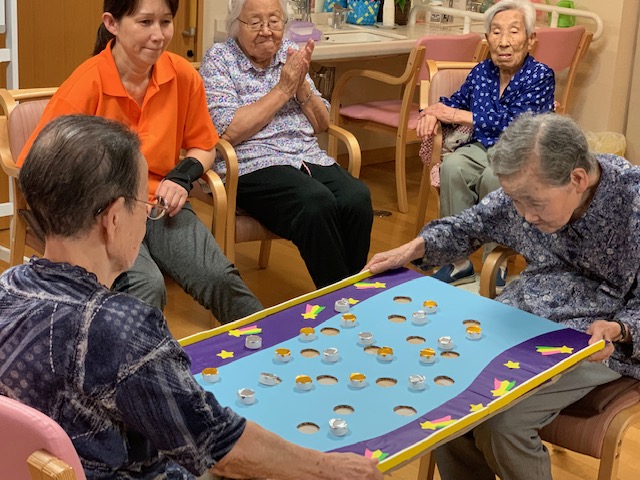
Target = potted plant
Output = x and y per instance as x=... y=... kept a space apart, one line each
x=403 y=7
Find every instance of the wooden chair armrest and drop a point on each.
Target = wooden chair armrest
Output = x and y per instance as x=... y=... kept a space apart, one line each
x=408 y=73
x=353 y=148
x=42 y=464
x=219 y=197
x=490 y=268
x=231 y=187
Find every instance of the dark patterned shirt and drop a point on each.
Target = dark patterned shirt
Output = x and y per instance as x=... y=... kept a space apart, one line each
x=106 y=368
x=531 y=90
x=586 y=271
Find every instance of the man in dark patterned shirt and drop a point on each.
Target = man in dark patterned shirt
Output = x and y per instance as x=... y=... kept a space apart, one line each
x=104 y=364
x=575 y=217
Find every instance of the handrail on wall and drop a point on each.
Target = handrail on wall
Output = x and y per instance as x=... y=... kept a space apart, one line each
x=469 y=16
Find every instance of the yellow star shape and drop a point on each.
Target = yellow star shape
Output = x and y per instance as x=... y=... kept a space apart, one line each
x=353 y=301
x=512 y=364
x=234 y=333
x=380 y=285
x=225 y=354
x=476 y=407
x=566 y=349
x=428 y=425
x=308 y=316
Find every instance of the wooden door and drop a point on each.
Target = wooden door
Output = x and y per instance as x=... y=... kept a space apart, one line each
x=55 y=36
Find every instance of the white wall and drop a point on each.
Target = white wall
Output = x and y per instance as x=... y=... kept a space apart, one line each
x=212 y=9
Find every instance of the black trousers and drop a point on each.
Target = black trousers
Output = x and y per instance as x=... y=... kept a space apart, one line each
x=324 y=211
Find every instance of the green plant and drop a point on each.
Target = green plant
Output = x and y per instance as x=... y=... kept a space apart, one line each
x=402 y=4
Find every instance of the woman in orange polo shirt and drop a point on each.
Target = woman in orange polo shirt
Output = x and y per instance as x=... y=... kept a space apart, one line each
x=131 y=78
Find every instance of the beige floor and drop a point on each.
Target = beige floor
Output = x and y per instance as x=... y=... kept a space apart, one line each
x=286 y=277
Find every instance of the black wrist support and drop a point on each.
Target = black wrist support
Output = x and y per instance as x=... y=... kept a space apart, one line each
x=186 y=172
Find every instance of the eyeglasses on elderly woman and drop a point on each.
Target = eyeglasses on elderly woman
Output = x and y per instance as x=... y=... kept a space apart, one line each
x=156 y=208
x=275 y=25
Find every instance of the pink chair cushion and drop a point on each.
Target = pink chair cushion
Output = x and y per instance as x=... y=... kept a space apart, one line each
x=586 y=435
x=24 y=430
x=557 y=46
x=386 y=112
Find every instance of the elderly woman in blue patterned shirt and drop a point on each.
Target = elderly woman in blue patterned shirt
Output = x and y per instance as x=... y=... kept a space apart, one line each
x=495 y=92
x=575 y=217
x=261 y=98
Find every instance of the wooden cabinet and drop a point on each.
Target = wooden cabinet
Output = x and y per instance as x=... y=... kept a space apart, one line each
x=55 y=36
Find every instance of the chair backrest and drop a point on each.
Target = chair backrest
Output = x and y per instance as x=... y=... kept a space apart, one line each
x=557 y=47
x=23 y=110
x=562 y=49
x=445 y=78
x=452 y=48
x=25 y=431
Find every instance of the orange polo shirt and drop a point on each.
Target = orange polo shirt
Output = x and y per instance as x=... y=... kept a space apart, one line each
x=173 y=115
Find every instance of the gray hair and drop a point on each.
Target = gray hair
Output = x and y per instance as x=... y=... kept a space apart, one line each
x=79 y=165
x=235 y=9
x=554 y=140
x=524 y=6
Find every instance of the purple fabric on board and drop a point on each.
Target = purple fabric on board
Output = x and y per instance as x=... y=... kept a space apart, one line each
x=480 y=391
x=281 y=325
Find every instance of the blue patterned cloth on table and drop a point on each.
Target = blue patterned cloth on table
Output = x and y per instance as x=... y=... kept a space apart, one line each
x=363 y=12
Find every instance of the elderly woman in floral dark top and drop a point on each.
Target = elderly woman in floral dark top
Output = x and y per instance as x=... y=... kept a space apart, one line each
x=103 y=364
x=575 y=217
x=262 y=100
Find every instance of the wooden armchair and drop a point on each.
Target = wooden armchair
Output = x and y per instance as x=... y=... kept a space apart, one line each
x=398 y=117
x=595 y=425
x=444 y=79
x=242 y=227
x=35 y=446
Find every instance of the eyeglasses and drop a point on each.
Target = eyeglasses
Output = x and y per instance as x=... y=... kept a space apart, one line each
x=273 y=25
x=155 y=209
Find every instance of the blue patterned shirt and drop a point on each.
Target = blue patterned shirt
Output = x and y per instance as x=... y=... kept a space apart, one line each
x=232 y=81
x=586 y=271
x=531 y=89
x=105 y=367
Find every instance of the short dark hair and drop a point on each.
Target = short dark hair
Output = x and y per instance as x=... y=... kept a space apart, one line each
x=119 y=9
x=77 y=165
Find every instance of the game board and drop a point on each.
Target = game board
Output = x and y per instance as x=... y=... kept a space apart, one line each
x=388 y=414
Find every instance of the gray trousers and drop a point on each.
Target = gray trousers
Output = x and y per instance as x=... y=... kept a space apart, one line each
x=182 y=248
x=465 y=177
x=508 y=445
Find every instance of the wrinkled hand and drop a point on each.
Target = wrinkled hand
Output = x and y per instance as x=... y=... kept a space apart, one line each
x=349 y=466
x=427 y=125
x=174 y=196
x=396 y=258
x=603 y=330
x=295 y=69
